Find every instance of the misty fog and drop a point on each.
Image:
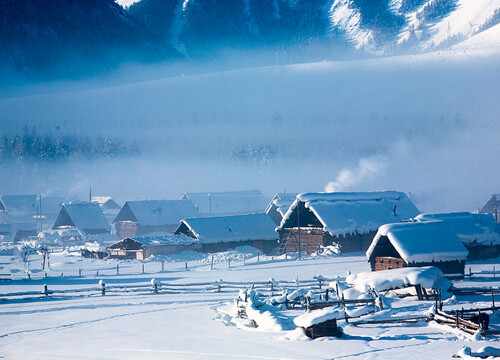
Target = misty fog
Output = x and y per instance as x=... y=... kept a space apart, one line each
x=426 y=125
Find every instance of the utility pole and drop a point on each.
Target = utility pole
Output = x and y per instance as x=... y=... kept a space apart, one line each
x=496 y=213
x=298 y=229
x=210 y=203
x=40 y=213
x=90 y=194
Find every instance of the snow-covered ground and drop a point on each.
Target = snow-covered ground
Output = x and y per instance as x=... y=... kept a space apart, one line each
x=199 y=325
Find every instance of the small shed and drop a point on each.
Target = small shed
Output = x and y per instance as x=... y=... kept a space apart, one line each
x=480 y=233
x=279 y=205
x=87 y=217
x=320 y=323
x=492 y=207
x=142 y=217
x=417 y=244
x=228 y=202
x=220 y=233
x=346 y=219
x=142 y=247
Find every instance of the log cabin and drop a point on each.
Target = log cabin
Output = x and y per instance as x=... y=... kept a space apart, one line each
x=417 y=244
x=480 y=233
x=228 y=202
x=220 y=233
x=279 y=205
x=137 y=218
x=142 y=247
x=347 y=220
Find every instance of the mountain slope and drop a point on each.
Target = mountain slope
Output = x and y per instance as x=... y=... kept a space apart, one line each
x=38 y=36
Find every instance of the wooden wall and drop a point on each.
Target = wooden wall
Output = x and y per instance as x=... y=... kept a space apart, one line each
x=482 y=252
x=387 y=263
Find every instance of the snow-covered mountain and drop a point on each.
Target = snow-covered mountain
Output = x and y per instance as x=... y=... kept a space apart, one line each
x=95 y=34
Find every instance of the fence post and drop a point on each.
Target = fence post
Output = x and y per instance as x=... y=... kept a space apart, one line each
x=163 y=265
x=492 y=298
x=186 y=264
x=286 y=255
x=156 y=288
x=258 y=256
x=97 y=273
x=212 y=263
x=494 y=272
x=79 y=272
x=326 y=294
x=470 y=272
x=45 y=274
x=45 y=290
x=62 y=274
x=103 y=285
x=143 y=268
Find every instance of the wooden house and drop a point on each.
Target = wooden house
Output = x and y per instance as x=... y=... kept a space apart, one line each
x=86 y=217
x=228 y=202
x=142 y=247
x=220 y=233
x=320 y=323
x=144 y=217
x=279 y=205
x=346 y=220
x=492 y=207
x=480 y=233
x=417 y=244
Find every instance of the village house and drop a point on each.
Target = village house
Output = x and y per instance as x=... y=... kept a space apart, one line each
x=18 y=208
x=16 y=232
x=81 y=221
x=480 y=233
x=220 y=233
x=109 y=207
x=492 y=207
x=144 y=217
x=417 y=244
x=279 y=205
x=142 y=247
x=347 y=220
x=228 y=202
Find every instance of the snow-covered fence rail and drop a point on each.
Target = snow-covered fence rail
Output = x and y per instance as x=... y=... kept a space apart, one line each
x=493 y=273
x=267 y=288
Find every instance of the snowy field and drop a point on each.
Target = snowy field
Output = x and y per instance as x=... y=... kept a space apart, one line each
x=200 y=325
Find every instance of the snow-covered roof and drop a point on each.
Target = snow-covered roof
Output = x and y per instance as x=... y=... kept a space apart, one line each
x=343 y=213
x=282 y=202
x=229 y=202
x=230 y=228
x=85 y=216
x=106 y=202
x=396 y=278
x=167 y=239
x=421 y=242
x=470 y=228
x=315 y=317
x=156 y=212
x=17 y=205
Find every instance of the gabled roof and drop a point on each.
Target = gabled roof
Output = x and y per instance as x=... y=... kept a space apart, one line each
x=84 y=216
x=106 y=202
x=342 y=213
x=156 y=212
x=420 y=242
x=229 y=228
x=492 y=206
x=282 y=202
x=228 y=202
x=17 y=205
x=470 y=228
